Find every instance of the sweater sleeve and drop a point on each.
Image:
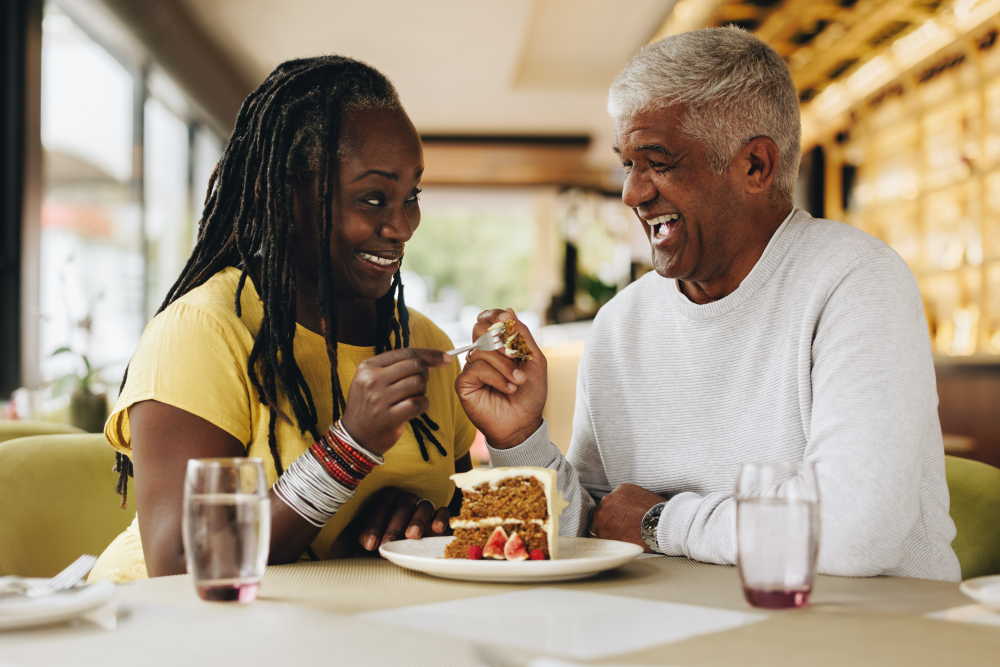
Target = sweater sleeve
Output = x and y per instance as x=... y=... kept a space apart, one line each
x=874 y=403
x=580 y=475
x=872 y=395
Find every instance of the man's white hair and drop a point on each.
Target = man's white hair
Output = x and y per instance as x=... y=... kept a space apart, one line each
x=734 y=87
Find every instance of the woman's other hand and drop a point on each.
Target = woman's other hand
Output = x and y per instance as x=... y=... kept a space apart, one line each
x=393 y=514
x=389 y=390
x=503 y=397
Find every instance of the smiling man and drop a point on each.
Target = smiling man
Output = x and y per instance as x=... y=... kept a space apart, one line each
x=763 y=334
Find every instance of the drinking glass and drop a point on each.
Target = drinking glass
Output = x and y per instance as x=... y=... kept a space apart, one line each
x=226 y=527
x=777 y=533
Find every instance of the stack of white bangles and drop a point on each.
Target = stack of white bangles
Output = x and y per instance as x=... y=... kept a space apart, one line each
x=310 y=489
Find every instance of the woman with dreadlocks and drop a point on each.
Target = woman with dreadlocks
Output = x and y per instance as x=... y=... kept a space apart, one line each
x=286 y=336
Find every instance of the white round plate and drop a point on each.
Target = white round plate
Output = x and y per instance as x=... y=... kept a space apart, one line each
x=579 y=557
x=983 y=589
x=25 y=612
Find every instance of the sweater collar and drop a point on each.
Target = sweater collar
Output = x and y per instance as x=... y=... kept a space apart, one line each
x=772 y=256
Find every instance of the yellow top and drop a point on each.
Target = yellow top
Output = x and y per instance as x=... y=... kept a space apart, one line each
x=194 y=355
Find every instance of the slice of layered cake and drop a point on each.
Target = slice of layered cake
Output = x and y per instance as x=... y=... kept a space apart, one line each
x=507 y=514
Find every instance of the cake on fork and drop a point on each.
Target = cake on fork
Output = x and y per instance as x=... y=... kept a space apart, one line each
x=514 y=345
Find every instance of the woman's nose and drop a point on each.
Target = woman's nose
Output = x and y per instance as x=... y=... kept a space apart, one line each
x=400 y=225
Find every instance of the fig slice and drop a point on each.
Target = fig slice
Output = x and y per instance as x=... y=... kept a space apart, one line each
x=495 y=545
x=514 y=549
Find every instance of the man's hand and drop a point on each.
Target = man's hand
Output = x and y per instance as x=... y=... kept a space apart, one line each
x=388 y=391
x=619 y=514
x=502 y=396
x=393 y=514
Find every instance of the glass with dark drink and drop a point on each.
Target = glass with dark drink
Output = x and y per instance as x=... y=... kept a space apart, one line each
x=777 y=533
x=226 y=527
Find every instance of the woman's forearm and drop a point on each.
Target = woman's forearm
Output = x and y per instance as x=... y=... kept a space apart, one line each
x=291 y=534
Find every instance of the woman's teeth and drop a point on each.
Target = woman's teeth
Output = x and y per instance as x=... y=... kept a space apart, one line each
x=377 y=260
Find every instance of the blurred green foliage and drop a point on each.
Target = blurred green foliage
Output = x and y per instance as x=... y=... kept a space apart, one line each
x=486 y=257
x=597 y=290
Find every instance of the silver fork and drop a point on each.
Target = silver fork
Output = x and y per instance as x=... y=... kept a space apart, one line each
x=489 y=341
x=68 y=578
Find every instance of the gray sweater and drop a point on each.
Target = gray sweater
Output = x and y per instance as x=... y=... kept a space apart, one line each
x=822 y=354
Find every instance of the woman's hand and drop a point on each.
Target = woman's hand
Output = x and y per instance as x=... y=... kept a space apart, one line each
x=503 y=397
x=388 y=391
x=393 y=514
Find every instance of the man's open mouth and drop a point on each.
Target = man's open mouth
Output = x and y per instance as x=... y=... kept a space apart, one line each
x=662 y=225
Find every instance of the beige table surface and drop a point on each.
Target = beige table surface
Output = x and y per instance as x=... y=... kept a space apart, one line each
x=304 y=615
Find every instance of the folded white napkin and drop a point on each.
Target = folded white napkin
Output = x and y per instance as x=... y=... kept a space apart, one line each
x=22 y=611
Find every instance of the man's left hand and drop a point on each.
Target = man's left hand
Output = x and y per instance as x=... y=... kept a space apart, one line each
x=619 y=514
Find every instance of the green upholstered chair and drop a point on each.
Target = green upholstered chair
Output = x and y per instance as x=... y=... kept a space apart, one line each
x=23 y=428
x=57 y=502
x=975 y=509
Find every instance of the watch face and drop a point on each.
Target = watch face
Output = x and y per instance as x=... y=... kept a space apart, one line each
x=650 y=522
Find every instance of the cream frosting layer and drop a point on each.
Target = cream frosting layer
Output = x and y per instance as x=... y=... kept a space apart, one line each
x=468 y=481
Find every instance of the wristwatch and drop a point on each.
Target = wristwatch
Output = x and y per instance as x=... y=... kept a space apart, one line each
x=650 y=523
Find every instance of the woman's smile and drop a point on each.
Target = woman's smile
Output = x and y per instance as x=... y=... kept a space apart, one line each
x=382 y=263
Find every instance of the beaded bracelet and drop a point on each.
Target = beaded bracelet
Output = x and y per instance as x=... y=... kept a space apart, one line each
x=309 y=490
x=339 y=429
x=319 y=482
x=342 y=461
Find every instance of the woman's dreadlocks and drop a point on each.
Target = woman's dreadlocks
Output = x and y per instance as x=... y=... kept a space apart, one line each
x=290 y=126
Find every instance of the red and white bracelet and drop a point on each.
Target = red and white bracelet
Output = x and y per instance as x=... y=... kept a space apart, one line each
x=319 y=482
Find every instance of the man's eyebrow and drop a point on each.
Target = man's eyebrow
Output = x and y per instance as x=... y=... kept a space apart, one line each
x=615 y=149
x=657 y=148
x=391 y=175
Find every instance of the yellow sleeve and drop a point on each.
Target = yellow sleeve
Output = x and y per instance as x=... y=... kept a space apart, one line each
x=187 y=359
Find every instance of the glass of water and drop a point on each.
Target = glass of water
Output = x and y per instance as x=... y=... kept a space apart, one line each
x=226 y=527
x=777 y=533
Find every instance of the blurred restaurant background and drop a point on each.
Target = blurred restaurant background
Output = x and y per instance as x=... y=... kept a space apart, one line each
x=114 y=113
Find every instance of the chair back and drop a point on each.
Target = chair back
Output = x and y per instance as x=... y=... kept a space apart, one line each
x=57 y=502
x=975 y=509
x=23 y=428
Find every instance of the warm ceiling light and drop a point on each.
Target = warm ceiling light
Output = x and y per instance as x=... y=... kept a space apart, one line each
x=963 y=8
x=830 y=99
x=916 y=39
x=871 y=71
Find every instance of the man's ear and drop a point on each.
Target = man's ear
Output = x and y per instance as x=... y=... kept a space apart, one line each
x=758 y=162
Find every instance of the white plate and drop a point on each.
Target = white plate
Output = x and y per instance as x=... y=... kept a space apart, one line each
x=579 y=557
x=24 y=612
x=983 y=589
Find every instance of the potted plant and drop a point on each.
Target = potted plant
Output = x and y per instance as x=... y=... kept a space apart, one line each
x=88 y=409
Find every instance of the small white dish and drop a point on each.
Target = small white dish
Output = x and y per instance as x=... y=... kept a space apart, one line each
x=579 y=557
x=983 y=589
x=25 y=612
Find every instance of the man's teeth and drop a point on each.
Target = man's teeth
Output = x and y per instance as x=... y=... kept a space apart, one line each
x=660 y=219
x=377 y=260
